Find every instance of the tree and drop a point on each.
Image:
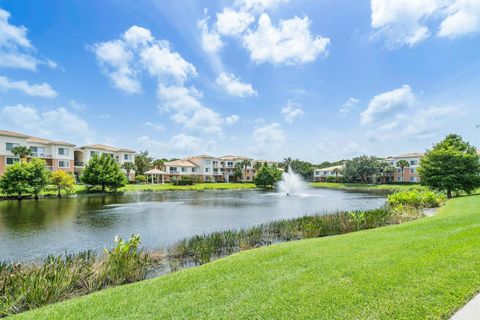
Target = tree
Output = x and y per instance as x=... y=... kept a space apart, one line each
x=337 y=171
x=143 y=162
x=128 y=166
x=245 y=164
x=267 y=176
x=257 y=165
x=361 y=169
x=37 y=176
x=105 y=172
x=237 y=171
x=402 y=164
x=22 y=152
x=62 y=180
x=452 y=165
x=15 y=180
x=158 y=163
x=303 y=168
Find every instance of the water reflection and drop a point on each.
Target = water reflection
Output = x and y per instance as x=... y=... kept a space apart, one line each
x=32 y=229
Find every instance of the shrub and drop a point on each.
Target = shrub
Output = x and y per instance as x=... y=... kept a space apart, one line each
x=330 y=179
x=184 y=181
x=140 y=179
x=416 y=198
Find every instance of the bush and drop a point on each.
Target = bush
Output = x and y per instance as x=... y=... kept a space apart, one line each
x=184 y=181
x=140 y=179
x=330 y=179
x=416 y=198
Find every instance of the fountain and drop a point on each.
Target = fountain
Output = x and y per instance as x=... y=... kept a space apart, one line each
x=291 y=183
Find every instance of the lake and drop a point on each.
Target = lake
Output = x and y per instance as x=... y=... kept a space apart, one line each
x=32 y=229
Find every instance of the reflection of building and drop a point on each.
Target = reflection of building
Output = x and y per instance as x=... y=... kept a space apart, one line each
x=410 y=173
x=58 y=155
x=327 y=174
x=85 y=153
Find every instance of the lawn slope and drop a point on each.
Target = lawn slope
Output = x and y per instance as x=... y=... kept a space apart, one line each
x=423 y=269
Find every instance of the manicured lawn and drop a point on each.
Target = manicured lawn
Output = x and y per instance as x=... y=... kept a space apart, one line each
x=422 y=269
x=366 y=187
x=197 y=186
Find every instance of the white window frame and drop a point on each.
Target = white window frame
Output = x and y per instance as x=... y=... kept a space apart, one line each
x=66 y=161
x=14 y=144
x=66 y=151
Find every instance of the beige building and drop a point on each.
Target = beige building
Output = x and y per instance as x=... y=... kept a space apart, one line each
x=326 y=174
x=410 y=173
x=82 y=156
x=58 y=155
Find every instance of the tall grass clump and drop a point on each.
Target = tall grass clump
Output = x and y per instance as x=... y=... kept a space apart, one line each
x=417 y=199
x=25 y=286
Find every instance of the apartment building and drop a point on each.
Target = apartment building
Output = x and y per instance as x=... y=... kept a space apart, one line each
x=228 y=164
x=82 y=156
x=410 y=173
x=209 y=167
x=58 y=155
x=322 y=175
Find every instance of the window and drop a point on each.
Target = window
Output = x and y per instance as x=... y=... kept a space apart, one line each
x=208 y=162
x=63 y=151
x=399 y=178
x=399 y=170
x=215 y=163
x=38 y=151
x=173 y=169
x=413 y=162
x=9 y=145
x=230 y=164
x=194 y=169
x=127 y=157
x=94 y=153
x=63 y=164
x=412 y=170
x=413 y=179
x=10 y=160
x=392 y=163
x=207 y=169
x=248 y=177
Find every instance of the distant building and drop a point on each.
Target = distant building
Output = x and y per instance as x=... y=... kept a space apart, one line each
x=410 y=173
x=322 y=175
x=58 y=155
x=82 y=156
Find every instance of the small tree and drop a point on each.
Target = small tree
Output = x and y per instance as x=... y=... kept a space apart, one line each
x=22 y=152
x=452 y=165
x=361 y=169
x=62 y=180
x=37 y=176
x=402 y=164
x=104 y=172
x=267 y=176
x=129 y=166
x=143 y=162
x=15 y=180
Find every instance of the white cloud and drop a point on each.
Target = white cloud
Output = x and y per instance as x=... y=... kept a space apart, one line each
x=137 y=36
x=232 y=23
x=232 y=119
x=188 y=110
x=154 y=126
x=35 y=90
x=234 y=86
x=292 y=112
x=16 y=50
x=463 y=19
x=408 y=22
x=258 y=5
x=268 y=140
x=289 y=43
x=384 y=104
x=349 y=106
x=77 y=105
x=54 y=123
x=178 y=145
x=211 y=41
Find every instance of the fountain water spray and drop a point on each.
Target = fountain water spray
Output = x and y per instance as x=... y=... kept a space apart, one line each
x=291 y=183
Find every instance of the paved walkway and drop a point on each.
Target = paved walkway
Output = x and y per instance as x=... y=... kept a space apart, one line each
x=470 y=311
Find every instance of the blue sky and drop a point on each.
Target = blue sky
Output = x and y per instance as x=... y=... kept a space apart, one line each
x=318 y=80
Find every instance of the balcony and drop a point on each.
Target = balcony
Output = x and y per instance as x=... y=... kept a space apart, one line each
x=78 y=163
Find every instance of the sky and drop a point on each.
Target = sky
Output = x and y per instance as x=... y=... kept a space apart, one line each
x=311 y=79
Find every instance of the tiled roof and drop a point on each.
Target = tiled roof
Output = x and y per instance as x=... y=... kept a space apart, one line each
x=203 y=156
x=31 y=139
x=180 y=163
x=330 y=168
x=410 y=155
x=232 y=157
x=7 y=133
x=106 y=148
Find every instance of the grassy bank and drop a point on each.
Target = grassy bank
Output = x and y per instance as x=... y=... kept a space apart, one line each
x=422 y=269
x=371 y=188
x=197 y=186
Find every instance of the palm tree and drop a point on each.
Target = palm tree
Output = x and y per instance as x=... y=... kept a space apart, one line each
x=388 y=170
x=237 y=173
x=286 y=163
x=402 y=164
x=22 y=152
x=245 y=164
x=128 y=166
x=158 y=164
x=257 y=165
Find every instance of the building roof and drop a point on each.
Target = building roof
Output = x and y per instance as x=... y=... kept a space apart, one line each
x=330 y=168
x=232 y=157
x=32 y=139
x=106 y=148
x=180 y=163
x=155 y=171
x=408 y=155
x=203 y=156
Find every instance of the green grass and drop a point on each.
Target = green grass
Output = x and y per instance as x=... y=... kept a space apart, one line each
x=365 y=187
x=422 y=269
x=197 y=186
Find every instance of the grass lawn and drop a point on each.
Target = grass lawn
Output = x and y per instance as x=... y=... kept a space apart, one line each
x=422 y=269
x=197 y=186
x=366 y=187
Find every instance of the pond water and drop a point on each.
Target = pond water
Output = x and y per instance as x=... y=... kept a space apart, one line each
x=32 y=229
